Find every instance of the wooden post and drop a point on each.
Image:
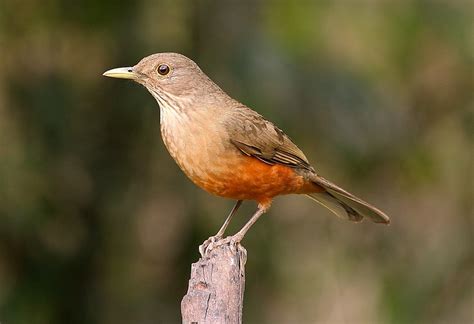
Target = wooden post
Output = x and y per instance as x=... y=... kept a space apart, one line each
x=216 y=288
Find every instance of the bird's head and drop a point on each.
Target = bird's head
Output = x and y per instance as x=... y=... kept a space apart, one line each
x=168 y=76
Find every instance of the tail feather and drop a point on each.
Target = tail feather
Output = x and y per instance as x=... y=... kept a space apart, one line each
x=336 y=206
x=345 y=204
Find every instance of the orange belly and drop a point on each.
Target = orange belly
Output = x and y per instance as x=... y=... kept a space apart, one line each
x=248 y=178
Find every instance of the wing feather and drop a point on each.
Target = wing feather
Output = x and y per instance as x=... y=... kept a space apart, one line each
x=255 y=136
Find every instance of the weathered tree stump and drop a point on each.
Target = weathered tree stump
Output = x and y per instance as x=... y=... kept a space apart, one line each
x=216 y=288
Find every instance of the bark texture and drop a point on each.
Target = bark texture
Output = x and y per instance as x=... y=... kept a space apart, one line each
x=216 y=288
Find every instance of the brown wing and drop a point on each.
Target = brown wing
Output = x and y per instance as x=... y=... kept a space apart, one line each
x=255 y=136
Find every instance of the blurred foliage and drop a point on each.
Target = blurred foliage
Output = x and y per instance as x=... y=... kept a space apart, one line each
x=98 y=225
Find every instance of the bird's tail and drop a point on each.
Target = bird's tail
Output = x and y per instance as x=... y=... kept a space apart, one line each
x=345 y=204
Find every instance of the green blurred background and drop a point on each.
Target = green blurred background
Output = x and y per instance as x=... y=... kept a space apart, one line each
x=98 y=224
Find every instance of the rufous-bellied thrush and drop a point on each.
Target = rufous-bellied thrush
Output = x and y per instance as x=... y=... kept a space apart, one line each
x=230 y=150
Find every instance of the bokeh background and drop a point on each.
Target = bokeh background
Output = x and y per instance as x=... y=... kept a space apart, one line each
x=98 y=224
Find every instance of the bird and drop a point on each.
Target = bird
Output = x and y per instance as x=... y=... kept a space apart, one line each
x=230 y=150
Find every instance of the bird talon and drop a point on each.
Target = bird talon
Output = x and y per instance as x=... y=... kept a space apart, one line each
x=216 y=241
x=209 y=244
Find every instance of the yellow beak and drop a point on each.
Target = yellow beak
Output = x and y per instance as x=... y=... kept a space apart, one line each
x=121 y=73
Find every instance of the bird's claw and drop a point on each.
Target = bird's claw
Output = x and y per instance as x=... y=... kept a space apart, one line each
x=208 y=244
x=216 y=241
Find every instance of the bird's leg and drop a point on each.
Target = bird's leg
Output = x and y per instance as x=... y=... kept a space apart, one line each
x=262 y=208
x=221 y=231
x=235 y=239
x=210 y=241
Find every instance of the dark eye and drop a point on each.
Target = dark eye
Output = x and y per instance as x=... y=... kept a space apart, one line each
x=163 y=69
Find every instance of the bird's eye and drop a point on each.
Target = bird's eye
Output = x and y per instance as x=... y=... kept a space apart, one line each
x=163 y=69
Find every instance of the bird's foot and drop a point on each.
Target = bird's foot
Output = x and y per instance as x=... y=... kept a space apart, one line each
x=209 y=244
x=217 y=241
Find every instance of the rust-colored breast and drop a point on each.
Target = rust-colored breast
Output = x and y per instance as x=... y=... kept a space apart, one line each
x=251 y=179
